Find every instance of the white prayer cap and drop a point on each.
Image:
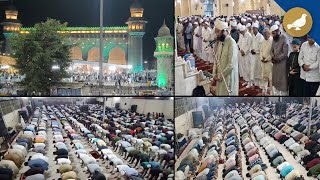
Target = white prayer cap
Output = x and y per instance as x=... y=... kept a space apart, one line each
x=260 y=17
x=277 y=23
x=239 y=26
x=255 y=25
x=248 y=25
x=207 y=23
x=270 y=21
x=221 y=25
x=243 y=20
x=196 y=23
x=223 y=19
x=254 y=16
x=249 y=19
x=211 y=18
x=274 y=27
x=201 y=21
x=227 y=19
x=233 y=23
x=242 y=28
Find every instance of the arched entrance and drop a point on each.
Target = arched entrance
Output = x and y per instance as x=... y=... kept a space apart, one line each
x=117 y=56
x=94 y=54
x=76 y=53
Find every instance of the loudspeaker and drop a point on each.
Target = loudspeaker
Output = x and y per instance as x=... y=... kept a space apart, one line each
x=3 y=128
x=117 y=106
x=134 y=108
x=197 y=119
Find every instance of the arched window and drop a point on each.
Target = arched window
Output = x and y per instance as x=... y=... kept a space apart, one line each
x=208 y=7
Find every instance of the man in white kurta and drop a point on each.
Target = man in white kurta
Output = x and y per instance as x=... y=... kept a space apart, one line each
x=225 y=70
x=206 y=37
x=180 y=39
x=196 y=38
x=255 y=71
x=265 y=58
x=245 y=44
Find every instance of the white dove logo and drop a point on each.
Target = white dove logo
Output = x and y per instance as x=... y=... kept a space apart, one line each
x=298 y=23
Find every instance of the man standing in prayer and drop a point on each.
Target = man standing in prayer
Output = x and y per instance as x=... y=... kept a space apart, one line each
x=309 y=58
x=225 y=71
x=206 y=37
x=197 y=43
x=257 y=39
x=188 y=35
x=179 y=30
x=279 y=57
x=265 y=57
x=234 y=31
x=245 y=43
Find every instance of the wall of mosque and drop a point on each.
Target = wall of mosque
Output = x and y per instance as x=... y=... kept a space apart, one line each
x=144 y=105
x=11 y=119
x=227 y=7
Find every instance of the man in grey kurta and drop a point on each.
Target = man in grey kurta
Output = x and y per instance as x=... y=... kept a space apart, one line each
x=279 y=55
x=225 y=70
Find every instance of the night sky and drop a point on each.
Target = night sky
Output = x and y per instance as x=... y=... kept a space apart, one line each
x=86 y=13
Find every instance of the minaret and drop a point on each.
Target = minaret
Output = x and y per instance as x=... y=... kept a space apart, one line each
x=164 y=54
x=136 y=28
x=11 y=25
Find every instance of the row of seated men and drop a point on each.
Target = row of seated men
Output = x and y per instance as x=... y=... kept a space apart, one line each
x=146 y=143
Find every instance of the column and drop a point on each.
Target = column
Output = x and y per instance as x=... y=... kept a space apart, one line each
x=236 y=7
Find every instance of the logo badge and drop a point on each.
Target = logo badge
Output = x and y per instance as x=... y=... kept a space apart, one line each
x=297 y=22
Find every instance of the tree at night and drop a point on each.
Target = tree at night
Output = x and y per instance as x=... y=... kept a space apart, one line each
x=42 y=56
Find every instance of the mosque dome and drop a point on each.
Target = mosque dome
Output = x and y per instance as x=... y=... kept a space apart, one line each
x=164 y=30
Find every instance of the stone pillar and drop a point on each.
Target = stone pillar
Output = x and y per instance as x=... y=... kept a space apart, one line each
x=226 y=7
x=135 y=50
x=236 y=7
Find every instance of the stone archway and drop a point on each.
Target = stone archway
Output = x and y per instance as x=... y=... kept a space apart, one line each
x=94 y=54
x=76 y=53
x=117 y=56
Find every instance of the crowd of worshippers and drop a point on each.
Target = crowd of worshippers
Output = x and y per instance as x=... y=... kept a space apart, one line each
x=259 y=129
x=151 y=146
x=117 y=78
x=255 y=48
x=145 y=142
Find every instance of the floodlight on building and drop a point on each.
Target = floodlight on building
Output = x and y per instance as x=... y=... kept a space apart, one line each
x=129 y=66
x=96 y=68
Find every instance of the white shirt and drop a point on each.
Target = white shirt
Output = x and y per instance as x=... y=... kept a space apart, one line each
x=122 y=167
x=310 y=55
x=265 y=51
x=63 y=161
x=245 y=42
x=206 y=35
x=39 y=156
x=106 y=151
x=256 y=42
x=117 y=161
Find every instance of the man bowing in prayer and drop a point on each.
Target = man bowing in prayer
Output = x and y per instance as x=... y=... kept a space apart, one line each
x=225 y=70
x=279 y=57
